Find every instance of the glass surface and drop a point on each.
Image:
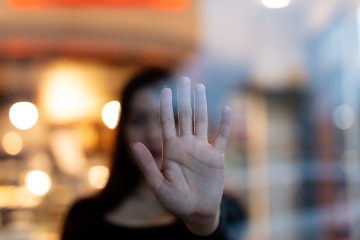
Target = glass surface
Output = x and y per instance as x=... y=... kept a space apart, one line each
x=290 y=74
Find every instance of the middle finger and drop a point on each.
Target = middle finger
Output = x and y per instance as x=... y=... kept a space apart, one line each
x=184 y=107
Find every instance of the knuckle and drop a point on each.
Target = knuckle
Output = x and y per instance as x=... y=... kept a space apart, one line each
x=200 y=120
x=186 y=113
x=167 y=120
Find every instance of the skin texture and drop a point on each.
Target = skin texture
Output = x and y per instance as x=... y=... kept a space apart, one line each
x=188 y=177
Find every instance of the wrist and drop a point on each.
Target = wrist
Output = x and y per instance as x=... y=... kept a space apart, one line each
x=203 y=226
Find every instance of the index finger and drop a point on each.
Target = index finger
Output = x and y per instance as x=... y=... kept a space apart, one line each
x=167 y=115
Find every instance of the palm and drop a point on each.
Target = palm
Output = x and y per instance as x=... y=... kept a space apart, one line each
x=193 y=177
x=190 y=181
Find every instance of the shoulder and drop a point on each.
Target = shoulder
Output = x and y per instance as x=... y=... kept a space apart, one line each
x=233 y=218
x=82 y=206
x=79 y=219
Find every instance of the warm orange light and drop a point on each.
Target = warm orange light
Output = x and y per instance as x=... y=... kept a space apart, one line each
x=98 y=176
x=12 y=143
x=68 y=95
x=38 y=182
x=174 y=5
x=110 y=114
x=17 y=197
x=164 y=5
x=23 y=115
x=68 y=152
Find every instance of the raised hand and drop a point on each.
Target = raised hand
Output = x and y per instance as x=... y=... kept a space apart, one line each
x=190 y=181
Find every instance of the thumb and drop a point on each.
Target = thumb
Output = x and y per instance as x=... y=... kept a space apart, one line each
x=147 y=165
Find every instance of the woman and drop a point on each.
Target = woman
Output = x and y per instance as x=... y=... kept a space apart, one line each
x=163 y=184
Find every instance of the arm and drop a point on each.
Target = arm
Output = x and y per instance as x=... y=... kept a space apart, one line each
x=190 y=182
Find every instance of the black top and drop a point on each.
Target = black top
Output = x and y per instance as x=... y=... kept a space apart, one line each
x=83 y=223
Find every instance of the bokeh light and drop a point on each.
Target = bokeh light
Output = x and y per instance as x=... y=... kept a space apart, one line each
x=17 y=197
x=71 y=92
x=67 y=97
x=344 y=117
x=275 y=3
x=23 y=115
x=38 y=182
x=110 y=114
x=12 y=143
x=40 y=160
x=98 y=176
x=350 y=161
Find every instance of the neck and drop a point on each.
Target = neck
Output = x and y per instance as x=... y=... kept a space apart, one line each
x=143 y=193
x=140 y=209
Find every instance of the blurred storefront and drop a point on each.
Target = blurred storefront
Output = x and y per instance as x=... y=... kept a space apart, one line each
x=290 y=74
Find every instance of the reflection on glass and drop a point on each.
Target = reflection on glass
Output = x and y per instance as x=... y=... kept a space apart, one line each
x=350 y=161
x=275 y=3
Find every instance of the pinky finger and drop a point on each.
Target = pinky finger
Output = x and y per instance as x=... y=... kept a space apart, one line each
x=224 y=129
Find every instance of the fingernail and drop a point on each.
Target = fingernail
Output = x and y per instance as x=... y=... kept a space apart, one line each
x=199 y=87
x=185 y=79
x=165 y=92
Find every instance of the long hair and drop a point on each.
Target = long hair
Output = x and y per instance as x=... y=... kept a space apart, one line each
x=124 y=174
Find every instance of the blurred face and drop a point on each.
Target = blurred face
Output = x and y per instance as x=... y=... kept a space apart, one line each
x=143 y=123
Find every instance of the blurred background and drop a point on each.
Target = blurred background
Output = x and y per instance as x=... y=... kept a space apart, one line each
x=288 y=68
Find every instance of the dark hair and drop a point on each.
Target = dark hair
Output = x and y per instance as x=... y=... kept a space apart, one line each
x=124 y=174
